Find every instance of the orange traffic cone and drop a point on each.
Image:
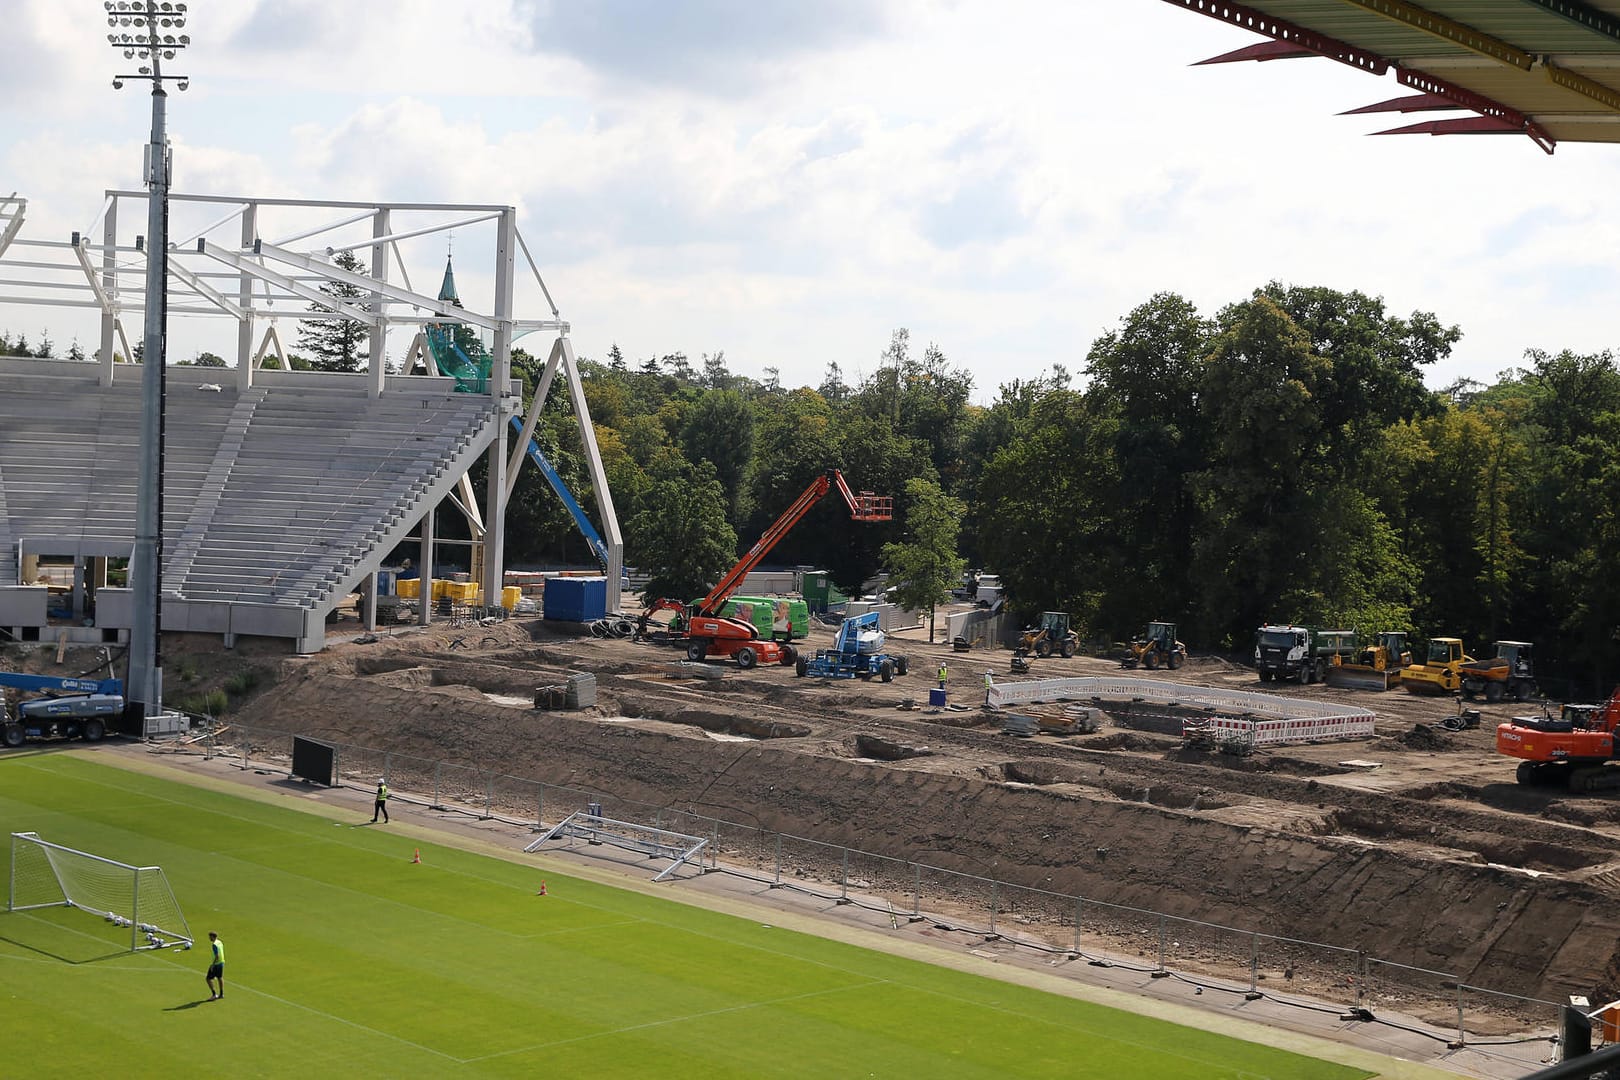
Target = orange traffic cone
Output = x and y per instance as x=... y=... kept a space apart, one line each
x=416 y=858
x=542 y=891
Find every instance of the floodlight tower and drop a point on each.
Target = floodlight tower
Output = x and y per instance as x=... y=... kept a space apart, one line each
x=140 y=29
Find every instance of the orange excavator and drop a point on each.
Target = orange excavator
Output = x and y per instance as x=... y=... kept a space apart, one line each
x=709 y=634
x=1571 y=749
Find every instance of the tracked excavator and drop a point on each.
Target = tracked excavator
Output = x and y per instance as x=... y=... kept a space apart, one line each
x=1571 y=750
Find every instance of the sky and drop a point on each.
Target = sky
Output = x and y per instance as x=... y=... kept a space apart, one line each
x=790 y=182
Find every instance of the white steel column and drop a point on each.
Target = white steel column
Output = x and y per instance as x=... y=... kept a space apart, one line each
x=377 y=370
x=244 y=298
x=424 y=595
x=593 y=460
x=109 y=284
x=500 y=378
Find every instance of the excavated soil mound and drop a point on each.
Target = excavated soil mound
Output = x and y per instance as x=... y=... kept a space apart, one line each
x=1447 y=867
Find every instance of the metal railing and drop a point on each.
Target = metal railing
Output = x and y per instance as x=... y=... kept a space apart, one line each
x=1250 y=963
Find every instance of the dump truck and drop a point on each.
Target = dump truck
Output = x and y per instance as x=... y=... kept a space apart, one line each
x=1509 y=674
x=1300 y=652
x=1441 y=670
x=1374 y=667
x=1572 y=750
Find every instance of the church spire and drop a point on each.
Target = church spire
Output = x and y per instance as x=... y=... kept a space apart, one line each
x=447 y=291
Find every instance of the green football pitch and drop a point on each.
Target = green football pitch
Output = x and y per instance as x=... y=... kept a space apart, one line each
x=345 y=958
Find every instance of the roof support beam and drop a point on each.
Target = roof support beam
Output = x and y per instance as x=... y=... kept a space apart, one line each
x=1599 y=22
x=1448 y=30
x=1281 y=30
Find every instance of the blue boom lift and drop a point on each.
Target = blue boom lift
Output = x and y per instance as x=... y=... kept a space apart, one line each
x=77 y=708
x=857 y=652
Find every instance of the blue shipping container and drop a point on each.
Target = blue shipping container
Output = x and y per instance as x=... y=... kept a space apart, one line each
x=575 y=599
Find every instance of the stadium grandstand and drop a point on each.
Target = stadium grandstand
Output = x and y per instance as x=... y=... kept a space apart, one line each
x=283 y=491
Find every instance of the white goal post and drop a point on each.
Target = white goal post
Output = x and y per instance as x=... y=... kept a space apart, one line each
x=45 y=875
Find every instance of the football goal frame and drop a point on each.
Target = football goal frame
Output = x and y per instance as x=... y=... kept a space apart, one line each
x=46 y=875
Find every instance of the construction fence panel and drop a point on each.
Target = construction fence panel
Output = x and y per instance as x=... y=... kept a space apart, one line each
x=1036 y=918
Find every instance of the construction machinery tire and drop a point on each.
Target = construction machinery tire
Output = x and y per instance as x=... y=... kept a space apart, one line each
x=901 y=665
x=1066 y=649
x=1523 y=691
x=93 y=730
x=787 y=656
x=14 y=735
x=1307 y=675
x=696 y=650
x=886 y=671
x=1528 y=774
x=1177 y=659
x=1152 y=661
x=1043 y=649
x=1266 y=676
x=746 y=657
x=1495 y=692
x=801 y=666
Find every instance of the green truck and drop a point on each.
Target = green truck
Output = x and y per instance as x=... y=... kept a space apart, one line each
x=1300 y=652
x=776 y=618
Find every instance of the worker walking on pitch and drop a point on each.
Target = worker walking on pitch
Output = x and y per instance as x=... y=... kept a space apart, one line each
x=381 y=805
x=942 y=674
x=216 y=967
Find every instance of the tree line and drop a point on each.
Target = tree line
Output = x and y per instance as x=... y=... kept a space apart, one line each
x=1281 y=460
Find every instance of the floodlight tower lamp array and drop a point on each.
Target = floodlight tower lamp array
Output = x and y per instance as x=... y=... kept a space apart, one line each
x=147 y=18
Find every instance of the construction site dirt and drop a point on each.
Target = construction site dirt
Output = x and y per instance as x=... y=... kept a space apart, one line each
x=1415 y=846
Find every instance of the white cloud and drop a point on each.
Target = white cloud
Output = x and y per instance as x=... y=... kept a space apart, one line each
x=791 y=182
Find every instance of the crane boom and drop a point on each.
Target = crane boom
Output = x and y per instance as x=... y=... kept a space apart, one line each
x=864 y=506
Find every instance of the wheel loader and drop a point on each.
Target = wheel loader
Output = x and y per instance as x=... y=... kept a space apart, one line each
x=1156 y=648
x=1375 y=667
x=1441 y=670
x=1508 y=674
x=1052 y=635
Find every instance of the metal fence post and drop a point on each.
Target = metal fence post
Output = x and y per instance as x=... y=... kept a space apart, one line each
x=714 y=844
x=388 y=766
x=1163 y=930
x=1079 y=902
x=1254 y=964
x=489 y=798
x=1462 y=1035
x=777 y=883
x=438 y=786
x=843 y=880
x=916 y=890
x=539 y=806
x=995 y=902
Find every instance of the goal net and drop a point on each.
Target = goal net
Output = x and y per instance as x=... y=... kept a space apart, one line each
x=47 y=875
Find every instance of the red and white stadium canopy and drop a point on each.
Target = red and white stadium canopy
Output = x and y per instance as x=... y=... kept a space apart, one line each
x=1547 y=69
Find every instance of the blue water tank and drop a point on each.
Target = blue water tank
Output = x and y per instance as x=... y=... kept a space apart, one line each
x=575 y=599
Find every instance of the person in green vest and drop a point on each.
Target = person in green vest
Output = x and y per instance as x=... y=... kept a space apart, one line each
x=216 y=966
x=942 y=674
x=381 y=805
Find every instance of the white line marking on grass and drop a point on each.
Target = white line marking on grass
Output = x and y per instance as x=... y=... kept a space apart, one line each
x=676 y=1020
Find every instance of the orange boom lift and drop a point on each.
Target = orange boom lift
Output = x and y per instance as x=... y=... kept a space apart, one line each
x=711 y=635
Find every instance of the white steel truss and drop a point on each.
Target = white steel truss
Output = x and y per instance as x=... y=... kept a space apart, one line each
x=227 y=269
